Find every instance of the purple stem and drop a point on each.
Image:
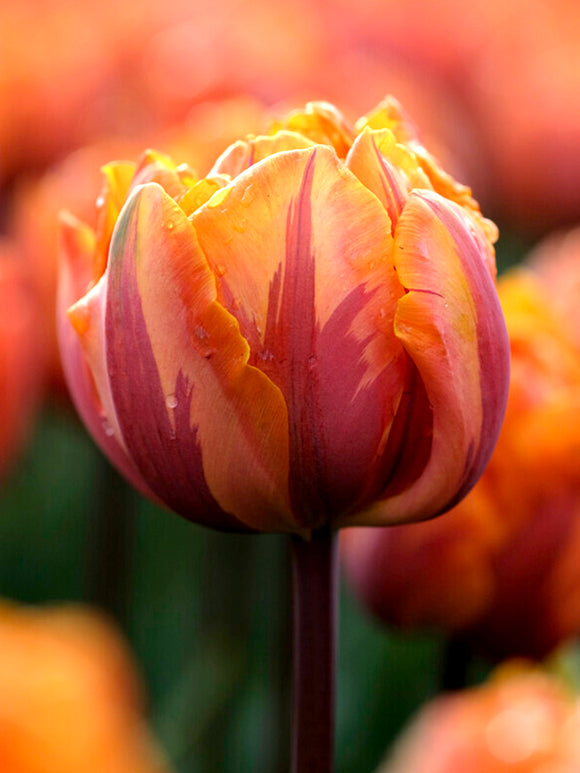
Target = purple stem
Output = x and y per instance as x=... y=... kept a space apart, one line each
x=315 y=599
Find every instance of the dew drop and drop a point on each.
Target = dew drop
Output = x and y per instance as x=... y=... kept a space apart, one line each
x=266 y=355
x=171 y=401
x=240 y=225
x=220 y=269
x=312 y=360
x=382 y=312
x=201 y=332
x=100 y=202
x=170 y=225
x=248 y=195
x=218 y=197
x=107 y=429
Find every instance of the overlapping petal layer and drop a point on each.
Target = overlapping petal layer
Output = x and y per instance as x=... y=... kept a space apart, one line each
x=309 y=335
x=302 y=254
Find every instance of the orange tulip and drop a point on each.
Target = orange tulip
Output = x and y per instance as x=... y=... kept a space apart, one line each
x=21 y=364
x=309 y=335
x=556 y=259
x=69 y=697
x=501 y=569
x=521 y=721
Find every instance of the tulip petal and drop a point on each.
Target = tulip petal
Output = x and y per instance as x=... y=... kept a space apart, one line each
x=302 y=252
x=117 y=179
x=207 y=430
x=322 y=123
x=386 y=168
x=77 y=246
x=451 y=325
x=244 y=153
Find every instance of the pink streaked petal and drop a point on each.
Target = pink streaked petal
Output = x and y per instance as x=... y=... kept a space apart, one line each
x=451 y=325
x=244 y=153
x=77 y=244
x=302 y=251
x=386 y=168
x=207 y=430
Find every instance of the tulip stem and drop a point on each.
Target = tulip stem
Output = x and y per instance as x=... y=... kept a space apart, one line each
x=315 y=600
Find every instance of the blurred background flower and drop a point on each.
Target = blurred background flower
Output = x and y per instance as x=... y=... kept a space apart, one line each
x=70 y=699
x=521 y=721
x=495 y=88
x=500 y=570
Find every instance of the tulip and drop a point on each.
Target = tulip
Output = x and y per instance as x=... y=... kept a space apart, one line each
x=500 y=571
x=215 y=315
x=70 y=699
x=521 y=721
x=307 y=338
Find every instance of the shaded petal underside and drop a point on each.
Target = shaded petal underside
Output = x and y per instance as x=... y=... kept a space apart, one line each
x=77 y=248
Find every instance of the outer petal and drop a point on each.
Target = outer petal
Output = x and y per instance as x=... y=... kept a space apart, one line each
x=207 y=430
x=77 y=245
x=451 y=324
x=303 y=254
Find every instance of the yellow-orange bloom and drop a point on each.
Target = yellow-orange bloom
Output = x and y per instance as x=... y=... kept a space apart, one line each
x=501 y=568
x=521 y=721
x=309 y=335
x=69 y=697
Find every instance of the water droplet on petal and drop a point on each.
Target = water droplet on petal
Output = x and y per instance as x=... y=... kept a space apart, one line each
x=201 y=332
x=171 y=401
x=312 y=360
x=220 y=269
x=248 y=195
x=170 y=225
x=100 y=202
x=266 y=355
x=240 y=225
x=218 y=197
x=382 y=312
x=107 y=429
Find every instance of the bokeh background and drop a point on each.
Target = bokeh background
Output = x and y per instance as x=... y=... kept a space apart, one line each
x=494 y=88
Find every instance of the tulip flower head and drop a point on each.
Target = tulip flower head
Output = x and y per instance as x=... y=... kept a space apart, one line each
x=308 y=336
